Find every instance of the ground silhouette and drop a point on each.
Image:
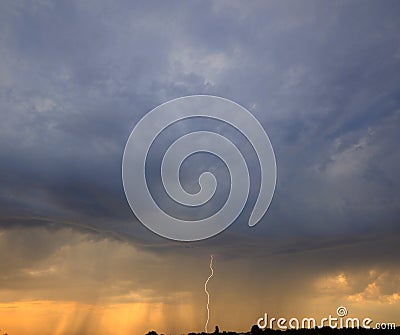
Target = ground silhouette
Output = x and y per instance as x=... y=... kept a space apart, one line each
x=254 y=330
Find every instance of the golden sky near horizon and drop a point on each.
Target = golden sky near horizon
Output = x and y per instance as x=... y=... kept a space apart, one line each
x=85 y=284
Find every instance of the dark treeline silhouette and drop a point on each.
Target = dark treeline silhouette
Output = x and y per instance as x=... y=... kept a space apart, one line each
x=315 y=331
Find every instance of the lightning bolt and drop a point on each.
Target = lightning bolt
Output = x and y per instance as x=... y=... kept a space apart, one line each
x=208 y=295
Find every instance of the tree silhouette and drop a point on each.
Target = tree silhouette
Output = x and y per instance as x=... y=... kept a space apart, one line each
x=255 y=330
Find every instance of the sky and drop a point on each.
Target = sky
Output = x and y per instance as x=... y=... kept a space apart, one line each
x=76 y=76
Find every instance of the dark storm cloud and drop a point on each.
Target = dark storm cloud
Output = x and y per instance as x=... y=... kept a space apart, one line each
x=321 y=78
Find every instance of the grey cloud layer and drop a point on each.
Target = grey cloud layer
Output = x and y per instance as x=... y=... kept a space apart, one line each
x=321 y=78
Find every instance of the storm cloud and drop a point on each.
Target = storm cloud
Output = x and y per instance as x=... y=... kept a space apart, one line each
x=321 y=77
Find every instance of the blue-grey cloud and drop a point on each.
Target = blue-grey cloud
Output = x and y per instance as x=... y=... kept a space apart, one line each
x=321 y=78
